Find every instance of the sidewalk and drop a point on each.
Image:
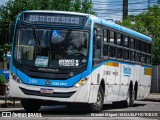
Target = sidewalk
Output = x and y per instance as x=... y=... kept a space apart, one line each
x=155 y=97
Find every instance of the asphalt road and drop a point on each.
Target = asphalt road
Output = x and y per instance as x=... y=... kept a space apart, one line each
x=140 y=111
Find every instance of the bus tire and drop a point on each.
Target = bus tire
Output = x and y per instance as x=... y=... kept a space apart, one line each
x=30 y=105
x=9 y=101
x=96 y=107
x=130 y=98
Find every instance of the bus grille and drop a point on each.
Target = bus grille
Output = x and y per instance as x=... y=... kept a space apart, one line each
x=54 y=94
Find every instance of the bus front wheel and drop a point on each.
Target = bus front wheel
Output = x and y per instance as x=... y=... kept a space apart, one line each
x=96 y=107
x=30 y=105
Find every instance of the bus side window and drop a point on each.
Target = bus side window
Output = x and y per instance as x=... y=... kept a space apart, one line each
x=126 y=41
x=126 y=54
x=132 y=56
x=138 y=57
x=132 y=44
x=119 y=53
x=96 y=47
x=112 y=37
x=112 y=51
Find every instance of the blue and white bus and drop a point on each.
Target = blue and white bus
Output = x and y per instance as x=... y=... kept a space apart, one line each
x=69 y=57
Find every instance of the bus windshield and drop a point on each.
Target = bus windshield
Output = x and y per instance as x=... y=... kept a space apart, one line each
x=58 y=48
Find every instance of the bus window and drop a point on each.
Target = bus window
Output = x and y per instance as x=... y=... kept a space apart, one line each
x=97 y=44
x=143 y=46
x=138 y=45
x=143 y=59
x=112 y=51
x=105 y=50
x=25 y=45
x=148 y=48
x=126 y=41
x=148 y=60
x=119 y=53
x=105 y=39
x=138 y=57
x=119 y=39
x=132 y=45
x=112 y=37
x=132 y=56
x=126 y=54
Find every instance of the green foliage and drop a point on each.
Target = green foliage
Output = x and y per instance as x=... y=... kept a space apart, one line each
x=156 y=51
x=149 y=24
x=2 y=79
x=12 y=8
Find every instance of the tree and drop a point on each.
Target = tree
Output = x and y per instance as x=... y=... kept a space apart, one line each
x=12 y=8
x=147 y=23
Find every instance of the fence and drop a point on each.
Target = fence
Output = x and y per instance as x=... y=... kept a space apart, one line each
x=155 y=82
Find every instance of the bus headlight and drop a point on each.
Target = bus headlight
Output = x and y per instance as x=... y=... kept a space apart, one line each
x=15 y=78
x=81 y=82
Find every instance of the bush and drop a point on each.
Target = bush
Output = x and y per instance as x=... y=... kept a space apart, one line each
x=2 y=79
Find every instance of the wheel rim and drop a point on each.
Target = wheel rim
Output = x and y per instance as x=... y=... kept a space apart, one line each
x=128 y=98
x=98 y=104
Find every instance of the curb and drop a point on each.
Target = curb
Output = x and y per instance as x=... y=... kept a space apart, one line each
x=152 y=100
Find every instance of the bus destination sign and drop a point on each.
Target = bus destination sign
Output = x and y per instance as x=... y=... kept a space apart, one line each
x=55 y=19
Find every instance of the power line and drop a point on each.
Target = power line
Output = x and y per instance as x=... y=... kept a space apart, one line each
x=117 y=4
x=117 y=8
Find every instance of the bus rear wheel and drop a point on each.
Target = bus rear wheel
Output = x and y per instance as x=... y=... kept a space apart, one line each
x=96 y=107
x=30 y=105
x=130 y=98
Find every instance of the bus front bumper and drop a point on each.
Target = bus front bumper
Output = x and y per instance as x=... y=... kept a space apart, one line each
x=72 y=94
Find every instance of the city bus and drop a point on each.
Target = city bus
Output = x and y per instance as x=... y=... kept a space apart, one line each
x=63 y=57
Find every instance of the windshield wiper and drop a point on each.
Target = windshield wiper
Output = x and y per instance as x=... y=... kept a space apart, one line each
x=35 y=34
x=65 y=43
x=36 y=40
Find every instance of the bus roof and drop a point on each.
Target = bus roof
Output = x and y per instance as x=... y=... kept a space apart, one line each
x=100 y=21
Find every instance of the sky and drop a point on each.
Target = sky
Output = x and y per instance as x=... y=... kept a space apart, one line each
x=112 y=9
x=3 y=2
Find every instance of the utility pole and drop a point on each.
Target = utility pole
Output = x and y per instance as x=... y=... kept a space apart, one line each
x=148 y=4
x=125 y=9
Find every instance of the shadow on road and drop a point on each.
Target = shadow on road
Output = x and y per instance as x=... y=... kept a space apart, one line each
x=119 y=106
x=75 y=109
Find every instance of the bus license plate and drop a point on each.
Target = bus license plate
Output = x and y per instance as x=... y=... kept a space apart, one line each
x=45 y=90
